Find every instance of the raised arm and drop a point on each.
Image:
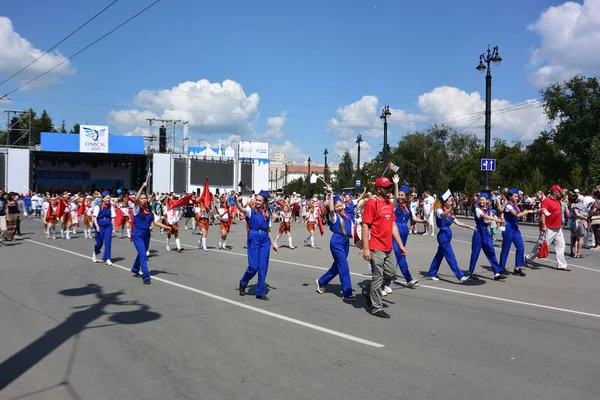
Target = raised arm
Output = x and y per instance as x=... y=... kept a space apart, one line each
x=139 y=193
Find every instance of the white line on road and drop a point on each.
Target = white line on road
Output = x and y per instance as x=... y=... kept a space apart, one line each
x=232 y=302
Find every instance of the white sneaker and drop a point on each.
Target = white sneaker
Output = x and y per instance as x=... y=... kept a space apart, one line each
x=148 y=253
x=433 y=278
x=387 y=289
x=463 y=279
x=168 y=249
x=412 y=283
x=320 y=289
x=94 y=259
x=205 y=249
x=383 y=293
x=108 y=262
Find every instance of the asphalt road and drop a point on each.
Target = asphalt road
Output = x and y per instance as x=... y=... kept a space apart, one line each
x=72 y=329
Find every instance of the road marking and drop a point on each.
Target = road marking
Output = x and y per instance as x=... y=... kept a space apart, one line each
x=232 y=302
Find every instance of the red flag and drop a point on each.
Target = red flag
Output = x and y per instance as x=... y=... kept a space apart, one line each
x=118 y=216
x=206 y=196
x=318 y=212
x=82 y=208
x=281 y=203
x=60 y=208
x=181 y=202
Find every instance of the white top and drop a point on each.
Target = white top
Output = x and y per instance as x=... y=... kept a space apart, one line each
x=427 y=203
x=439 y=212
x=479 y=212
x=172 y=217
x=509 y=207
x=225 y=216
x=97 y=211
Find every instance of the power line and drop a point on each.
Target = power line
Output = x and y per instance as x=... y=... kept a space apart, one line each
x=57 y=44
x=80 y=51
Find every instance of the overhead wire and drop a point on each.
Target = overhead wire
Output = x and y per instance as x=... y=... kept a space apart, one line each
x=59 y=43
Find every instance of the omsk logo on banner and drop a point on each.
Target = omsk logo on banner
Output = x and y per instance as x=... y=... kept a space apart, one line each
x=93 y=139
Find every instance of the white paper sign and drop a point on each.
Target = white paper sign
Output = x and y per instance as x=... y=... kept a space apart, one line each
x=93 y=139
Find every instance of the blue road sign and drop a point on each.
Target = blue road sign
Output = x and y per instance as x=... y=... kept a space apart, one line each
x=358 y=183
x=488 y=164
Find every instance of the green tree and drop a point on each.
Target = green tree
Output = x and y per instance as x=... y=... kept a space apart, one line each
x=345 y=176
x=75 y=129
x=297 y=185
x=575 y=105
x=63 y=127
x=41 y=124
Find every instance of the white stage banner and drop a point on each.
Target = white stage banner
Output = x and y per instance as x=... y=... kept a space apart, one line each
x=93 y=139
x=255 y=150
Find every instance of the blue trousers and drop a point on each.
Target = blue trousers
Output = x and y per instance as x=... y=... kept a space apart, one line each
x=401 y=259
x=512 y=235
x=259 y=247
x=444 y=237
x=104 y=237
x=340 y=247
x=141 y=241
x=482 y=240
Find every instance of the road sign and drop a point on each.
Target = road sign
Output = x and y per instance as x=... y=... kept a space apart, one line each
x=358 y=183
x=488 y=164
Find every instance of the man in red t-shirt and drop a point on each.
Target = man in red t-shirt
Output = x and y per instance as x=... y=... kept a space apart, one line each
x=551 y=229
x=378 y=230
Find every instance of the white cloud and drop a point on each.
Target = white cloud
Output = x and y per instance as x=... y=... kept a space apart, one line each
x=274 y=127
x=138 y=132
x=130 y=119
x=16 y=52
x=462 y=110
x=293 y=153
x=569 y=42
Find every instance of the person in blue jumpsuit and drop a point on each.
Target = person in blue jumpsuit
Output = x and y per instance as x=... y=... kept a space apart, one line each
x=260 y=242
x=143 y=222
x=403 y=215
x=349 y=204
x=444 y=219
x=512 y=233
x=482 y=239
x=341 y=227
x=103 y=217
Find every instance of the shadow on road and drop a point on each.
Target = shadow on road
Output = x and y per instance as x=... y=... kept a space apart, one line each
x=25 y=359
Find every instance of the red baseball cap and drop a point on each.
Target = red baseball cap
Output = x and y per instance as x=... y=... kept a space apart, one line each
x=383 y=182
x=556 y=187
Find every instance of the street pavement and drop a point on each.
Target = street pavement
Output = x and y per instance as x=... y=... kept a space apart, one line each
x=72 y=329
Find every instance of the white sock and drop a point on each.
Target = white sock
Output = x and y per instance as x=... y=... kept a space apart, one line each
x=167 y=240
x=220 y=243
x=68 y=232
x=178 y=243
x=128 y=232
x=203 y=242
x=312 y=240
x=290 y=241
x=224 y=241
x=277 y=238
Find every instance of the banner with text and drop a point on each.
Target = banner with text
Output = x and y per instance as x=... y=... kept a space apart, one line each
x=93 y=139
x=254 y=150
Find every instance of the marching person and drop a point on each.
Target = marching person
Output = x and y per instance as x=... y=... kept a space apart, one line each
x=103 y=218
x=260 y=242
x=224 y=214
x=172 y=217
x=403 y=216
x=87 y=212
x=65 y=227
x=512 y=213
x=551 y=228
x=51 y=218
x=312 y=215
x=444 y=219
x=201 y=215
x=350 y=204
x=285 y=225
x=341 y=227
x=143 y=222
x=125 y=219
x=378 y=231
x=482 y=239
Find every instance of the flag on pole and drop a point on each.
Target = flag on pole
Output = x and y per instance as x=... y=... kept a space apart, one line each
x=393 y=166
x=60 y=208
x=179 y=203
x=206 y=196
x=244 y=186
x=82 y=208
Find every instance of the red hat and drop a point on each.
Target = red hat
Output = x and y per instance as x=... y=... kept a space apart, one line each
x=556 y=187
x=383 y=182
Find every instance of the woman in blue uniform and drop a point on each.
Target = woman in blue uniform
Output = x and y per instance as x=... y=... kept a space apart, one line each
x=260 y=241
x=341 y=227
x=103 y=217
x=482 y=239
x=403 y=215
x=443 y=220
x=512 y=213
x=143 y=222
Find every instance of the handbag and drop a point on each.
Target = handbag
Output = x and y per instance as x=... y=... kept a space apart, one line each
x=543 y=252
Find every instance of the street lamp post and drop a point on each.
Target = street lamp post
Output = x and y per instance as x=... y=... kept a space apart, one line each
x=492 y=57
x=358 y=141
x=325 y=171
x=308 y=177
x=276 y=178
x=385 y=112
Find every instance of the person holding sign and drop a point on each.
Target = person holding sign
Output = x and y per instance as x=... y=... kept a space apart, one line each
x=444 y=219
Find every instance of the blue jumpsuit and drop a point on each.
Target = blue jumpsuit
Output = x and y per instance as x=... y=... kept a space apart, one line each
x=444 y=237
x=259 y=247
x=482 y=239
x=104 y=237
x=512 y=235
x=141 y=240
x=349 y=209
x=402 y=218
x=339 y=246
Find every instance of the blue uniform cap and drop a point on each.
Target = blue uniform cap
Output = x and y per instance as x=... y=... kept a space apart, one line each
x=336 y=198
x=404 y=189
x=513 y=191
x=484 y=195
x=264 y=194
x=105 y=193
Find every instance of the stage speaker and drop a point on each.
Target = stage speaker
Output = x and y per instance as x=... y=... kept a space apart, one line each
x=162 y=140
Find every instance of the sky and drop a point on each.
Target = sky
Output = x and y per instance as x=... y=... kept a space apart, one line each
x=302 y=76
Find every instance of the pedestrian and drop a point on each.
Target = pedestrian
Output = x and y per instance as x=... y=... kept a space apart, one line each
x=483 y=239
x=378 y=230
x=3 y=226
x=311 y=220
x=512 y=235
x=201 y=215
x=551 y=228
x=285 y=225
x=341 y=226
x=171 y=219
x=444 y=219
x=12 y=216
x=260 y=242
x=428 y=214
x=225 y=219
x=103 y=218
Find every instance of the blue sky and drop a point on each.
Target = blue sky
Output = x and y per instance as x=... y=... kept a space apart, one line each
x=302 y=75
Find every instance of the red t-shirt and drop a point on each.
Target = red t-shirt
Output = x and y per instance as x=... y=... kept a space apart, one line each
x=552 y=209
x=379 y=214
